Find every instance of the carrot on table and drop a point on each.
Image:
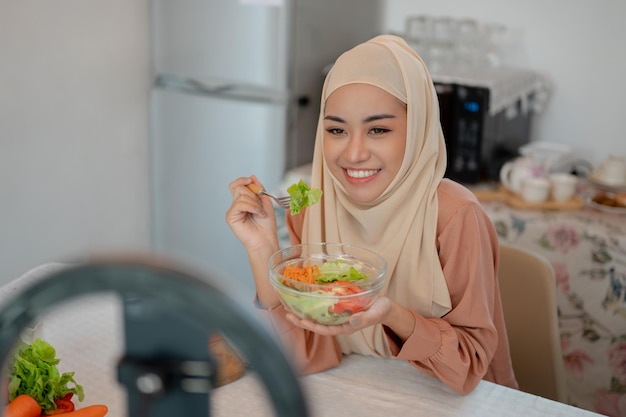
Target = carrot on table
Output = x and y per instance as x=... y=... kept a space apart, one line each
x=22 y=406
x=96 y=410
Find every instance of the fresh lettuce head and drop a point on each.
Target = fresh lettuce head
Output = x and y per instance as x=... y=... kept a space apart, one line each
x=301 y=196
x=33 y=371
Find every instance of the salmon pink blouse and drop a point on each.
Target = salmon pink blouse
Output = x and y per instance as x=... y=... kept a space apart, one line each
x=467 y=344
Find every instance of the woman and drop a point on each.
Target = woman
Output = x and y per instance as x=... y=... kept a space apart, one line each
x=380 y=159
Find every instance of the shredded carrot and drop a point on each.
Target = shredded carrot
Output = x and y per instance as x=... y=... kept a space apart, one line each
x=306 y=273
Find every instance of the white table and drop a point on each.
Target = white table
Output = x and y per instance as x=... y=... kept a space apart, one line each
x=367 y=386
x=87 y=335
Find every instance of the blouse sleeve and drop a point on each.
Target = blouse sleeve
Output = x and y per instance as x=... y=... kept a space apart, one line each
x=459 y=347
x=308 y=351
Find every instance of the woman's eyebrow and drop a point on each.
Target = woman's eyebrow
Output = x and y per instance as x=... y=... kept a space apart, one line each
x=378 y=117
x=368 y=119
x=334 y=119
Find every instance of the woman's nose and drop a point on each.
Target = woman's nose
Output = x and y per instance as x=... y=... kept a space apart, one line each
x=357 y=150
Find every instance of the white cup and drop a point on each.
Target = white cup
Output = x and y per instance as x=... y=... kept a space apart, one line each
x=613 y=170
x=563 y=186
x=535 y=190
x=513 y=173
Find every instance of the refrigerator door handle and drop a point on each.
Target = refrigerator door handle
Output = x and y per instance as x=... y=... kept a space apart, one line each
x=222 y=89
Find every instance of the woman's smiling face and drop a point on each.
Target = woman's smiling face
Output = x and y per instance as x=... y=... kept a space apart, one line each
x=364 y=139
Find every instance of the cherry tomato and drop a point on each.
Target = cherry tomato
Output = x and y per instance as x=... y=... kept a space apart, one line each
x=64 y=405
x=350 y=306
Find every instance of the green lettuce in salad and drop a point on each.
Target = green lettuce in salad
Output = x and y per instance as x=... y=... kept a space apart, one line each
x=301 y=196
x=331 y=271
x=33 y=371
x=313 y=308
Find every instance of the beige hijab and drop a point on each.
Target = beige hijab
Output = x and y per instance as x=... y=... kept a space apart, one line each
x=401 y=223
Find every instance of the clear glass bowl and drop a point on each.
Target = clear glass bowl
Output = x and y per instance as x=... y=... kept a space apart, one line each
x=356 y=278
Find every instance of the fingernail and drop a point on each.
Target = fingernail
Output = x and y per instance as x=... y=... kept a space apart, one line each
x=355 y=321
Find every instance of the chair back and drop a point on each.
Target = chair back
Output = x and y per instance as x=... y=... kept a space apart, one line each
x=528 y=290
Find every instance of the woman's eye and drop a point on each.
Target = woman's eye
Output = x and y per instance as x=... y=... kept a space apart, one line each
x=379 y=130
x=334 y=130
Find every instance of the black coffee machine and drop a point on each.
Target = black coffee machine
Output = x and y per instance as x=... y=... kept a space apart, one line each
x=481 y=129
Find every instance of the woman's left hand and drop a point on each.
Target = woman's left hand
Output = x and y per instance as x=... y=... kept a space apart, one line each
x=373 y=315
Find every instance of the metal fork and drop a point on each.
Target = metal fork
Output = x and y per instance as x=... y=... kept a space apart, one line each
x=281 y=201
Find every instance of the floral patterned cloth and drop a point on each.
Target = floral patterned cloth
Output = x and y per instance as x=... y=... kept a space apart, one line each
x=587 y=249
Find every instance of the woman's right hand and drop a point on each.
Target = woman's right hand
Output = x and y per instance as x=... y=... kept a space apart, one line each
x=251 y=216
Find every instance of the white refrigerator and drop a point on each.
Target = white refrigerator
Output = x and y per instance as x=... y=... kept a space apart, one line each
x=236 y=92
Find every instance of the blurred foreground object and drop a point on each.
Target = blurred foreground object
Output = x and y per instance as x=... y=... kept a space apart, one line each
x=169 y=318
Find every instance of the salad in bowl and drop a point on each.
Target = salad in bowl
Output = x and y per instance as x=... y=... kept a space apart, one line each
x=327 y=282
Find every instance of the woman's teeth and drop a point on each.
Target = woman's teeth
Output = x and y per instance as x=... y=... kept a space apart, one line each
x=361 y=173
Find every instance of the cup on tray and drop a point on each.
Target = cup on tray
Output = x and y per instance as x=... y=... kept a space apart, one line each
x=535 y=190
x=563 y=186
x=514 y=173
x=613 y=170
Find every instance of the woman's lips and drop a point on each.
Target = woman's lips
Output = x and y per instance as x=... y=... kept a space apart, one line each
x=360 y=175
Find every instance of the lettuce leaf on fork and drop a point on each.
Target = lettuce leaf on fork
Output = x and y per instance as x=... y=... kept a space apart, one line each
x=301 y=196
x=33 y=371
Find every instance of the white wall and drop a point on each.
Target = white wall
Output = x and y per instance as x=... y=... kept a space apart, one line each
x=74 y=87
x=578 y=44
